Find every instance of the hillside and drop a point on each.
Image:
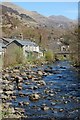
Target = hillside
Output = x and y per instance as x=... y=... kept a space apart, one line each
x=52 y=21
x=43 y=30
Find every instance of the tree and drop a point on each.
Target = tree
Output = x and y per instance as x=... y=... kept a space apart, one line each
x=40 y=39
x=74 y=46
x=49 y=56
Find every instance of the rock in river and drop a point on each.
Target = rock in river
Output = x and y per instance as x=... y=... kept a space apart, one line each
x=40 y=73
x=45 y=108
x=34 y=97
x=41 y=83
x=26 y=103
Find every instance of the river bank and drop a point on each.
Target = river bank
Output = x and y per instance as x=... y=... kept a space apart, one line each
x=46 y=91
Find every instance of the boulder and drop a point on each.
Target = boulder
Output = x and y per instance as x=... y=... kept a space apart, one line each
x=16 y=71
x=41 y=83
x=48 y=70
x=30 y=76
x=19 y=78
x=40 y=73
x=26 y=103
x=20 y=103
x=34 y=97
x=9 y=92
x=45 y=108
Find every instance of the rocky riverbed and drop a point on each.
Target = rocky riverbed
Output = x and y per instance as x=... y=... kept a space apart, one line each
x=47 y=91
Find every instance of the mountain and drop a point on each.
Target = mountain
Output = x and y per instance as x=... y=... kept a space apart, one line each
x=44 y=30
x=60 y=18
x=62 y=21
x=52 y=21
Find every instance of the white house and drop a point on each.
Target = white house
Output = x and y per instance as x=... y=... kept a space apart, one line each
x=26 y=45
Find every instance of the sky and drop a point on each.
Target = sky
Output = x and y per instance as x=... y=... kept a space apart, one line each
x=68 y=9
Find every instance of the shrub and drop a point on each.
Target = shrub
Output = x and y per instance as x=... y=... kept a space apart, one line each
x=13 y=57
x=49 y=56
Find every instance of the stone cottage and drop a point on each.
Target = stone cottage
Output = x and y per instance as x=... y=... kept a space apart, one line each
x=26 y=45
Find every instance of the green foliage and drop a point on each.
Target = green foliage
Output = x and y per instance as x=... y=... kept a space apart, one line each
x=13 y=57
x=49 y=56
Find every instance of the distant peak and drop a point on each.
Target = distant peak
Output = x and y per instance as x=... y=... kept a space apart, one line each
x=60 y=17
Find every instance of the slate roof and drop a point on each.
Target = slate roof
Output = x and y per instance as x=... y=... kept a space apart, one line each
x=23 y=42
x=26 y=42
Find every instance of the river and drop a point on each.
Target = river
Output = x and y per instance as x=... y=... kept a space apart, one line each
x=60 y=94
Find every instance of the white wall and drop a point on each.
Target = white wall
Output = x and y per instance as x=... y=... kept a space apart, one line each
x=40 y=54
x=32 y=48
x=0 y=53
